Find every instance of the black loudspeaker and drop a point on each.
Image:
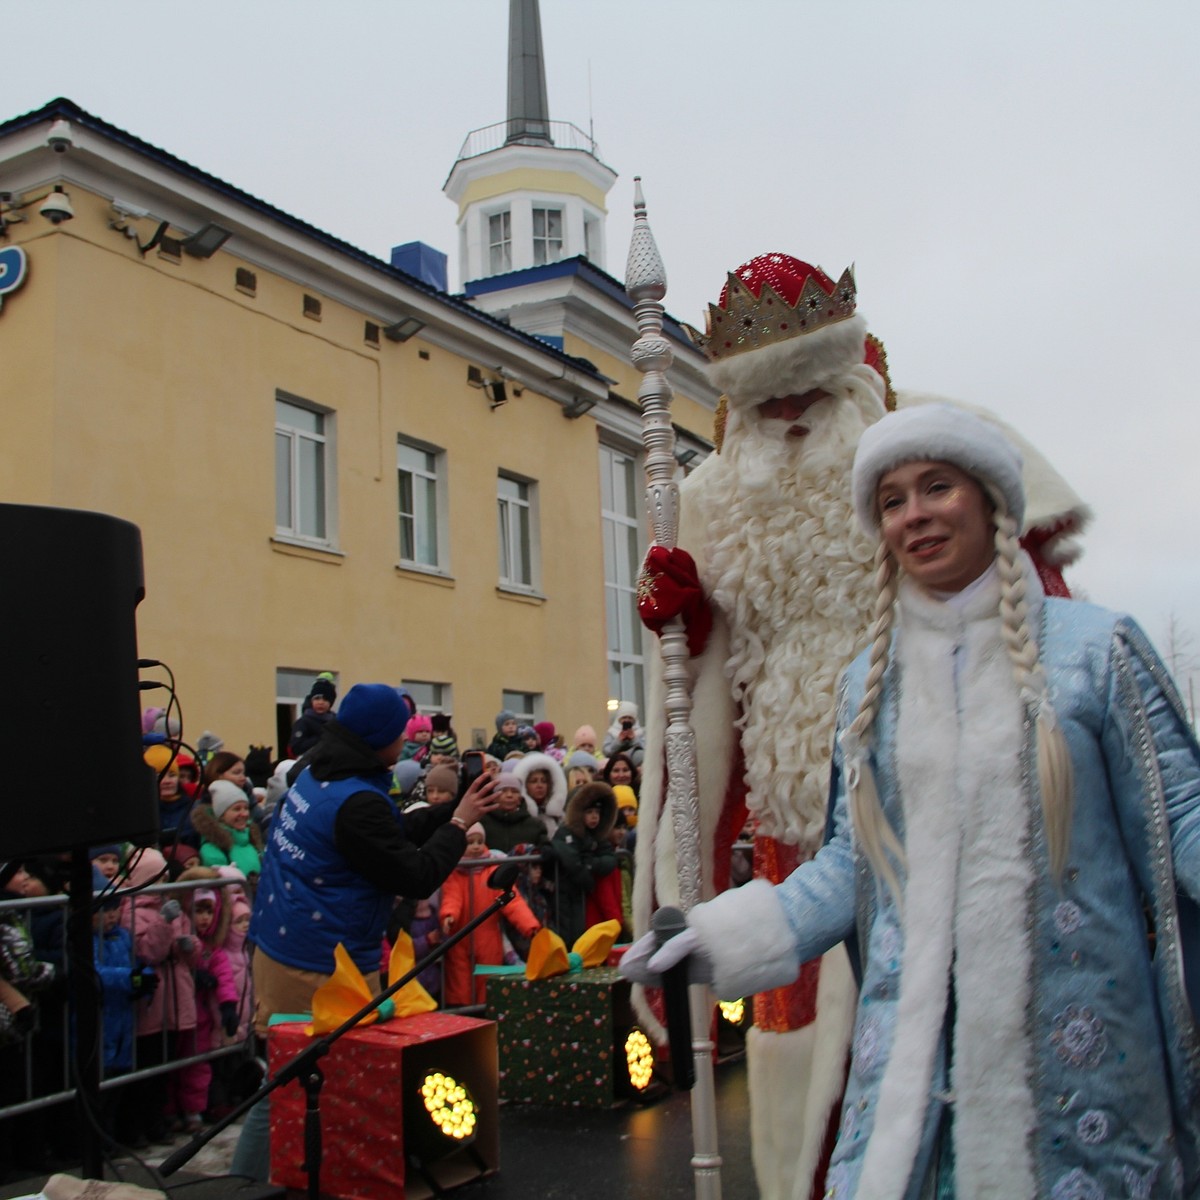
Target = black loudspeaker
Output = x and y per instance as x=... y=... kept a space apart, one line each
x=71 y=767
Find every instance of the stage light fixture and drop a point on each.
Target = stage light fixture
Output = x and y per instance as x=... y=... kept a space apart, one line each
x=206 y=241
x=639 y=1059
x=450 y=1107
x=733 y=1012
x=403 y=329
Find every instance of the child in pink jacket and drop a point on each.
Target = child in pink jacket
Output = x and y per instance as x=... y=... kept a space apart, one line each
x=164 y=940
x=216 y=1005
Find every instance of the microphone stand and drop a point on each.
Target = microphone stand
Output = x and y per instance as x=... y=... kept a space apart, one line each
x=306 y=1065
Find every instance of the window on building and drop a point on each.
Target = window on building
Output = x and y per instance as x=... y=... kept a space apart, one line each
x=591 y=239
x=516 y=503
x=303 y=469
x=292 y=684
x=430 y=698
x=526 y=706
x=620 y=504
x=500 y=242
x=547 y=235
x=420 y=475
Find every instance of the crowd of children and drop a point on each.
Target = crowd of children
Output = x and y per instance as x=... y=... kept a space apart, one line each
x=172 y=968
x=565 y=813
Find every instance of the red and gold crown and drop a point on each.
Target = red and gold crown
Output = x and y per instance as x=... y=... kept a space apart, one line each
x=782 y=327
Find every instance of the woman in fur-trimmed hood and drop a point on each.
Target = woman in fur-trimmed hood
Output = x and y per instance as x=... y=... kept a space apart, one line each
x=1014 y=859
x=551 y=800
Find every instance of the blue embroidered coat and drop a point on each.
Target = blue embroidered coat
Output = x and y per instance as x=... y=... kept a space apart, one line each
x=1115 y=1049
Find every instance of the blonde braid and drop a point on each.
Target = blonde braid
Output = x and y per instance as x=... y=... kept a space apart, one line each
x=871 y=827
x=1055 y=772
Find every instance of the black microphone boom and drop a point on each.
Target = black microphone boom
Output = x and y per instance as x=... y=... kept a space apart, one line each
x=504 y=876
x=666 y=923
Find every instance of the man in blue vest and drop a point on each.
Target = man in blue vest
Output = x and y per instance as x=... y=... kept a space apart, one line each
x=338 y=854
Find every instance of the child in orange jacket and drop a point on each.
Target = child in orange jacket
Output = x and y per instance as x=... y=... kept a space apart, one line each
x=465 y=894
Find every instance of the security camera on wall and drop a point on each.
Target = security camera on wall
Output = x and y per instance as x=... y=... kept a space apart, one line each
x=59 y=138
x=56 y=207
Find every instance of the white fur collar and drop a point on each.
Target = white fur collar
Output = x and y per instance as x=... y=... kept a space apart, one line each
x=959 y=738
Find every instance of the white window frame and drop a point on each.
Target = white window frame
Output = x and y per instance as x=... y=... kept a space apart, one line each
x=518 y=572
x=621 y=519
x=430 y=697
x=420 y=514
x=593 y=249
x=297 y=438
x=546 y=247
x=500 y=258
x=527 y=707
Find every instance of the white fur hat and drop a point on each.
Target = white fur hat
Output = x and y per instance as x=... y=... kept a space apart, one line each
x=937 y=433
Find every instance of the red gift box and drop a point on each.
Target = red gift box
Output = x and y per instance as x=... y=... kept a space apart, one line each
x=372 y=1084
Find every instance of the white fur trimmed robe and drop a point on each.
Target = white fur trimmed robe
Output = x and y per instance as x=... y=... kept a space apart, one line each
x=1015 y=1037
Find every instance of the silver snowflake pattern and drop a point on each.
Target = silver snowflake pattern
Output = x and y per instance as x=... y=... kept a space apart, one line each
x=1077 y=1185
x=1139 y=1185
x=837 y=1182
x=1092 y=1127
x=889 y=947
x=868 y=1044
x=1068 y=917
x=1079 y=1037
x=849 y=1123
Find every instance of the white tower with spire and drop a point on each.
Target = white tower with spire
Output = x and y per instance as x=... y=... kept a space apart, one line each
x=530 y=191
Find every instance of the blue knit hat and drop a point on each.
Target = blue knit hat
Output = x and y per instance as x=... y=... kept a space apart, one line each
x=504 y=715
x=376 y=712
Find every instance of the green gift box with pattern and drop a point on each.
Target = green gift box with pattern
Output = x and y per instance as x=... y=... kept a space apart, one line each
x=562 y=1040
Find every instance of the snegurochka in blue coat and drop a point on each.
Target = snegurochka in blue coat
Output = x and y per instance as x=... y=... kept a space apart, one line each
x=1014 y=859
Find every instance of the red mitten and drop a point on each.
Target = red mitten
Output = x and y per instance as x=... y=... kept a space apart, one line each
x=668 y=587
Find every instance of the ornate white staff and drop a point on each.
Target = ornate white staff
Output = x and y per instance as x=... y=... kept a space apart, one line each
x=646 y=284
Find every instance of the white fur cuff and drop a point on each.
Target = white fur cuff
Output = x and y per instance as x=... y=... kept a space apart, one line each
x=747 y=938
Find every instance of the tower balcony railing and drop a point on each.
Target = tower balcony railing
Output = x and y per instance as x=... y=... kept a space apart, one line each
x=528 y=131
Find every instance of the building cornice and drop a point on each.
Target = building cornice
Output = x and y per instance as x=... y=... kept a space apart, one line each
x=116 y=165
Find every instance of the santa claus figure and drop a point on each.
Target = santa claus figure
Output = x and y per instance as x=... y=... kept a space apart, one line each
x=777 y=603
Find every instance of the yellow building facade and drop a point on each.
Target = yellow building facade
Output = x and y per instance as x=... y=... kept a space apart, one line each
x=334 y=464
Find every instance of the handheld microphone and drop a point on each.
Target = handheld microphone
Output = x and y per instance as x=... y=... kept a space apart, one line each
x=504 y=876
x=666 y=923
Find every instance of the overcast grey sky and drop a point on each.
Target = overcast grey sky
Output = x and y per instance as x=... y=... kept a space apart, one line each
x=1016 y=182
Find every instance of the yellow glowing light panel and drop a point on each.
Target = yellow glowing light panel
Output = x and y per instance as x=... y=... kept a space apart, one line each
x=449 y=1106
x=640 y=1058
x=734 y=1011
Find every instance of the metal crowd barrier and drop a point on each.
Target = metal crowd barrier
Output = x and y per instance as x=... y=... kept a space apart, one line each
x=52 y=1092
x=49 y=1092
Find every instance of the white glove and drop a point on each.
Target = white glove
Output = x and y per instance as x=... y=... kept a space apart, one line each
x=644 y=962
x=634 y=964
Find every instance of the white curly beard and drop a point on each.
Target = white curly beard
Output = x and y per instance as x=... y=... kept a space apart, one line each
x=790 y=570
